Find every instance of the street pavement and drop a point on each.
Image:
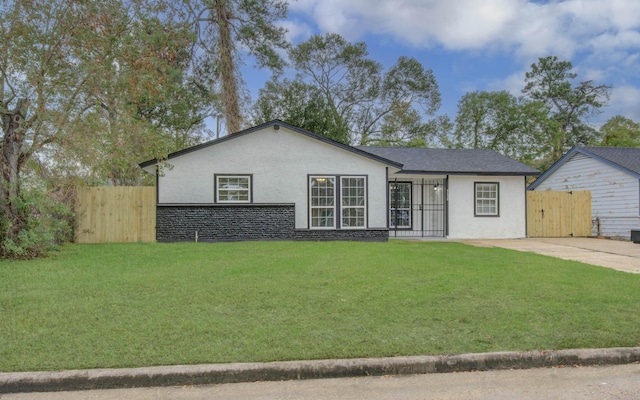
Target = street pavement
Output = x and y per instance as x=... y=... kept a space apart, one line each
x=585 y=383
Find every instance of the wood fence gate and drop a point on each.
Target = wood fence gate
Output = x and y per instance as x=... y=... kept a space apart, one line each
x=115 y=214
x=559 y=214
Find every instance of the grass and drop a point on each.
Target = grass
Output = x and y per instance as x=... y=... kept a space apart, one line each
x=129 y=305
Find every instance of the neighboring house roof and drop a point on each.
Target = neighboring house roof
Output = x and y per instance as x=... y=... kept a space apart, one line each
x=452 y=161
x=276 y=124
x=625 y=159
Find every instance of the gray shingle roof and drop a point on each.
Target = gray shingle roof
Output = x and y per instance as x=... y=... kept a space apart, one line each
x=626 y=157
x=452 y=161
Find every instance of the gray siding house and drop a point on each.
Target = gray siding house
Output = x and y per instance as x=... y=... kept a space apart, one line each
x=612 y=174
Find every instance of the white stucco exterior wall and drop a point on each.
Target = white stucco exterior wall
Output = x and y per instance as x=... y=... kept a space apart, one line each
x=280 y=162
x=511 y=223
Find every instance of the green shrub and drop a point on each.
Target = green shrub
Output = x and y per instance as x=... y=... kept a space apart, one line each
x=47 y=224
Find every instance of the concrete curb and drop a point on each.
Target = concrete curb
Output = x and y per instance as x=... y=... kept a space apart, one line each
x=18 y=382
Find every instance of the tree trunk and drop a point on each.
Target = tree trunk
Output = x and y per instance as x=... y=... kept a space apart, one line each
x=230 y=98
x=12 y=141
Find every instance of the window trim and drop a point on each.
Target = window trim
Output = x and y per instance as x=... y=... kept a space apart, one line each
x=475 y=200
x=216 y=189
x=337 y=202
x=311 y=206
x=392 y=208
x=364 y=208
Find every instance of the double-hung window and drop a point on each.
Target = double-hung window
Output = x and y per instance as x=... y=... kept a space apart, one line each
x=486 y=199
x=322 y=196
x=353 y=202
x=337 y=202
x=233 y=188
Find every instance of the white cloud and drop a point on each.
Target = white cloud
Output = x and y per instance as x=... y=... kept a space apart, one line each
x=512 y=84
x=603 y=14
x=539 y=30
x=331 y=15
x=624 y=101
x=532 y=29
x=608 y=40
x=460 y=24
x=600 y=37
x=296 y=30
x=592 y=74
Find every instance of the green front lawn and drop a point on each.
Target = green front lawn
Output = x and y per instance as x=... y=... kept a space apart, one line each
x=128 y=305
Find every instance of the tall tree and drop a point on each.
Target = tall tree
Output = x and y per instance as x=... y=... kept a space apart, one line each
x=475 y=121
x=620 y=131
x=299 y=104
x=357 y=94
x=226 y=28
x=64 y=67
x=41 y=82
x=570 y=107
x=404 y=126
x=147 y=103
x=500 y=121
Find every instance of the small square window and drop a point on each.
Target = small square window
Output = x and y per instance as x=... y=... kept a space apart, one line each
x=233 y=188
x=486 y=199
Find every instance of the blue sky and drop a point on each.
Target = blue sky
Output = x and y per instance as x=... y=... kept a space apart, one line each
x=486 y=44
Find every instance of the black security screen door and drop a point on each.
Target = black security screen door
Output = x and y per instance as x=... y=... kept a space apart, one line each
x=417 y=208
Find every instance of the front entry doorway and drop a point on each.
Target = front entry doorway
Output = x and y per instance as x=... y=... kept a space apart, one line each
x=417 y=208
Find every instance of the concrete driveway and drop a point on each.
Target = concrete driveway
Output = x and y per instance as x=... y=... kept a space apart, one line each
x=616 y=254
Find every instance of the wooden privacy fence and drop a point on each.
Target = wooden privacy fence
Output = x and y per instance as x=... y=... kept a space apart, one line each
x=115 y=214
x=559 y=214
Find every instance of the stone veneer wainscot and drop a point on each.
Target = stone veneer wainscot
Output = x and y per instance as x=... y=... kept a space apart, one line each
x=235 y=222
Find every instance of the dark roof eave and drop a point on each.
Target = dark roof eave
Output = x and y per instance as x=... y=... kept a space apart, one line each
x=454 y=161
x=482 y=173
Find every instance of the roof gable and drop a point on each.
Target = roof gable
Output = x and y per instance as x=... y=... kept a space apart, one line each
x=625 y=159
x=453 y=161
x=275 y=124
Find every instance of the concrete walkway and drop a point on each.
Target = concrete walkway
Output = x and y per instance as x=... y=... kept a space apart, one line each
x=619 y=255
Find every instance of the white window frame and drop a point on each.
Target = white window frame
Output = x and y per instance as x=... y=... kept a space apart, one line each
x=219 y=189
x=312 y=206
x=338 y=202
x=345 y=206
x=486 y=194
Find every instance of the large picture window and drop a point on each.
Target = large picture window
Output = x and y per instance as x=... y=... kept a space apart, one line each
x=486 y=199
x=233 y=188
x=337 y=202
x=400 y=205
